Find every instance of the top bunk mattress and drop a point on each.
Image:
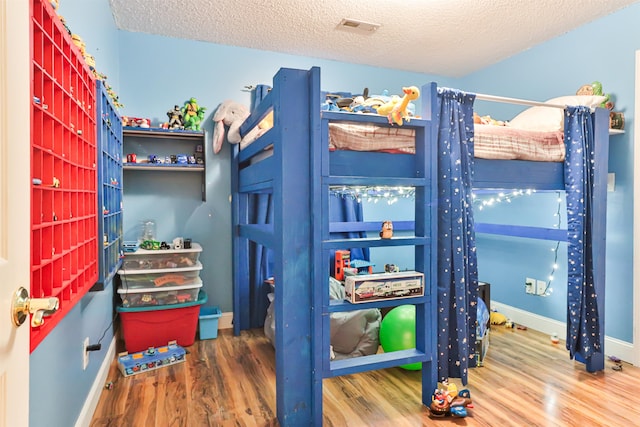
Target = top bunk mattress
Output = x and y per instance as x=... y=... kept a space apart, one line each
x=490 y=141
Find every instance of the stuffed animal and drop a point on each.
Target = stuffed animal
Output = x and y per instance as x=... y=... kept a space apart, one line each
x=595 y=88
x=396 y=111
x=233 y=114
x=192 y=122
x=497 y=318
x=192 y=114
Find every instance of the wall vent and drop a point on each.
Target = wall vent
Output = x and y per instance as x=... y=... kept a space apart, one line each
x=356 y=26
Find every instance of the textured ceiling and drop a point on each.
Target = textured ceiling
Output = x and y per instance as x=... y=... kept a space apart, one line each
x=444 y=37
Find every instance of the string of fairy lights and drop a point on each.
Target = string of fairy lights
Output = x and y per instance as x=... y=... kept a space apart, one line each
x=549 y=289
x=484 y=200
x=373 y=194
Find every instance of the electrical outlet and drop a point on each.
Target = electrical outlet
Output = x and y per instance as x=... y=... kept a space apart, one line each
x=85 y=353
x=530 y=285
x=541 y=287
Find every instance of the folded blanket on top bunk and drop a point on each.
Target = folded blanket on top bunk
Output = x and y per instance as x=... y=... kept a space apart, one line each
x=490 y=142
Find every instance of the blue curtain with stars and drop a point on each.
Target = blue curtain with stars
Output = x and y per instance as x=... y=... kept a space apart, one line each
x=583 y=327
x=457 y=262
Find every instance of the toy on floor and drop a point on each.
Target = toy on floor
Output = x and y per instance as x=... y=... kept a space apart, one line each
x=396 y=110
x=150 y=359
x=448 y=401
x=496 y=318
x=398 y=332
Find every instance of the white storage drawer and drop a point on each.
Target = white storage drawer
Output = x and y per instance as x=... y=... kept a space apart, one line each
x=143 y=259
x=144 y=297
x=161 y=277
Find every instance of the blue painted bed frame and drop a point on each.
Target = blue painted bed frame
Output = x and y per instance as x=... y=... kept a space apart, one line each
x=298 y=174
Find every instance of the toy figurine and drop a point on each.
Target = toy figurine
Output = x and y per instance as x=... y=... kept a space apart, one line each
x=193 y=122
x=192 y=114
x=391 y=268
x=387 y=230
x=450 y=402
x=176 y=118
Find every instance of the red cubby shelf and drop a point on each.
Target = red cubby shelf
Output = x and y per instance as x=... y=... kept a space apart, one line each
x=64 y=204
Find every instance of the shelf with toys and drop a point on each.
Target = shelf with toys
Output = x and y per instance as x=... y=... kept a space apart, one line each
x=63 y=163
x=165 y=150
x=109 y=186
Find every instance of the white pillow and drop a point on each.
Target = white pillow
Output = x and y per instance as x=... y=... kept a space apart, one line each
x=550 y=118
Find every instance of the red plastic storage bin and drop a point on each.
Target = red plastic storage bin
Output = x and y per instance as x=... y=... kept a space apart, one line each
x=145 y=327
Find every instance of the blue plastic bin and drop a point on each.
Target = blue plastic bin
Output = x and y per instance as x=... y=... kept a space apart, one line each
x=208 y=322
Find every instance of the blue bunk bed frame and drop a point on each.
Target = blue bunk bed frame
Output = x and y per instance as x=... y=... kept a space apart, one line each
x=298 y=174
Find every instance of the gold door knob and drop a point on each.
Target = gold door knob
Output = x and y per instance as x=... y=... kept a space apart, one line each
x=22 y=305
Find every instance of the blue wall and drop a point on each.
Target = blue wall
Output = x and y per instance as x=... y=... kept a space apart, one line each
x=161 y=72
x=603 y=50
x=152 y=73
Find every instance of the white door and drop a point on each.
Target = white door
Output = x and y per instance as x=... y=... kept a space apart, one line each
x=14 y=207
x=636 y=224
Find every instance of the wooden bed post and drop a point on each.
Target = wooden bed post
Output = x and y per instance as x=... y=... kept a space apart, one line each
x=240 y=250
x=292 y=240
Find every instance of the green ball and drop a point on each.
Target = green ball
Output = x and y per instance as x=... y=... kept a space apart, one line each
x=398 y=332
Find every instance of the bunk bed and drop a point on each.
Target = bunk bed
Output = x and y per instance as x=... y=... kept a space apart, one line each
x=297 y=173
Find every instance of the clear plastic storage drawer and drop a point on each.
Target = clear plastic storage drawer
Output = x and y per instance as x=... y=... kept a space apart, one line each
x=161 y=277
x=144 y=297
x=143 y=259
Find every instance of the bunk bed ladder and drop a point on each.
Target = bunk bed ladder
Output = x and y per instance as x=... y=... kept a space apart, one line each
x=423 y=178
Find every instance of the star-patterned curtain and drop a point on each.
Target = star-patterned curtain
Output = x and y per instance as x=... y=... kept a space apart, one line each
x=457 y=264
x=583 y=328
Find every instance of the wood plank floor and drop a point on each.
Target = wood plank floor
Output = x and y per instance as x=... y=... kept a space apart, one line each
x=230 y=381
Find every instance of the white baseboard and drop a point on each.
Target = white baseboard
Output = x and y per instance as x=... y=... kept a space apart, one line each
x=226 y=321
x=90 y=404
x=612 y=347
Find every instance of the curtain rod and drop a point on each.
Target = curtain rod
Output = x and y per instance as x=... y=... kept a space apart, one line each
x=494 y=98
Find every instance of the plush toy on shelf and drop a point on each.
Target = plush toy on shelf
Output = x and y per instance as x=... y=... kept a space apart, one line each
x=396 y=109
x=192 y=114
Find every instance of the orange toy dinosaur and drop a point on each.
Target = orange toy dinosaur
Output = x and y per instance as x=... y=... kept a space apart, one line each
x=396 y=111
